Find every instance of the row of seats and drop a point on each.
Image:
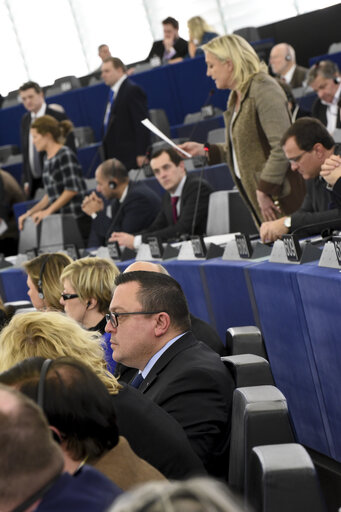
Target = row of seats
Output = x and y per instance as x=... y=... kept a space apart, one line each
x=267 y=467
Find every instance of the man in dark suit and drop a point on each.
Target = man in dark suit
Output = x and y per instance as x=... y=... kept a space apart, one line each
x=32 y=97
x=283 y=64
x=150 y=330
x=172 y=47
x=132 y=206
x=179 y=203
x=125 y=138
x=324 y=78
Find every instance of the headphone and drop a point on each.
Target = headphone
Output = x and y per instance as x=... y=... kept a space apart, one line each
x=41 y=390
x=288 y=57
x=112 y=185
x=40 y=280
x=337 y=80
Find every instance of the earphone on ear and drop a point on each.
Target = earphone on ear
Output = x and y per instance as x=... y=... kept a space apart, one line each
x=288 y=57
x=337 y=80
x=112 y=185
x=40 y=280
x=88 y=304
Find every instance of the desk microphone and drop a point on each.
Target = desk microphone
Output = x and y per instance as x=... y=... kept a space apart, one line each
x=329 y=226
x=196 y=207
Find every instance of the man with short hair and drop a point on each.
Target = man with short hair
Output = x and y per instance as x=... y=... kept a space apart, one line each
x=283 y=64
x=184 y=203
x=150 y=331
x=324 y=78
x=307 y=144
x=32 y=465
x=172 y=46
x=125 y=137
x=103 y=52
x=32 y=97
x=131 y=206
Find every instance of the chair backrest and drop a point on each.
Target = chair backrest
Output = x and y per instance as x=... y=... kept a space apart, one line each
x=251 y=34
x=259 y=416
x=11 y=99
x=249 y=370
x=334 y=48
x=29 y=236
x=281 y=478
x=216 y=136
x=84 y=136
x=245 y=340
x=8 y=150
x=337 y=135
x=66 y=83
x=159 y=117
x=58 y=230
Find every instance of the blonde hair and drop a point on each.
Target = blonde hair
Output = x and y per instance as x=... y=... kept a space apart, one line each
x=51 y=335
x=54 y=264
x=197 y=26
x=245 y=60
x=92 y=278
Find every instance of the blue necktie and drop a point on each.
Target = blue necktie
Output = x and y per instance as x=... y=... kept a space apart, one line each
x=137 y=381
x=107 y=113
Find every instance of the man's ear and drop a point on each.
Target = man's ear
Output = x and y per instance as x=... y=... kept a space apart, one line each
x=56 y=434
x=162 y=324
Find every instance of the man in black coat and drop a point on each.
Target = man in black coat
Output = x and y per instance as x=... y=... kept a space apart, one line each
x=172 y=47
x=150 y=330
x=125 y=138
x=132 y=206
x=32 y=97
x=184 y=204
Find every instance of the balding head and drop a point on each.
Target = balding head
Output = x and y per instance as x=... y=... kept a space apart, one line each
x=282 y=58
x=147 y=266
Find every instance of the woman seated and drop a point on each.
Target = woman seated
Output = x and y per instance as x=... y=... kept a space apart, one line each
x=43 y=280
x=199 y=33
x=62 y=177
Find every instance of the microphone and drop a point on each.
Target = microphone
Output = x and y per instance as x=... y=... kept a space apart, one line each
x=196 y=207
x=327 y=225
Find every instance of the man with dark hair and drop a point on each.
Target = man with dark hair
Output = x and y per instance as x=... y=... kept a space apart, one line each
x=324 y=78
x=31 y=465
x=32 y=97
x=184 y=203
x=307 y=144
x=131 y=206
x=125 y=138
x=172 y=46
x=103 y=52
x=150 y=326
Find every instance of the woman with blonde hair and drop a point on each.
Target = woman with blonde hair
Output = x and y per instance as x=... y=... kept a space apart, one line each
x=62 y=175
x=199 y=33
x=88 y=286
x=256 y=118
x=43 y=280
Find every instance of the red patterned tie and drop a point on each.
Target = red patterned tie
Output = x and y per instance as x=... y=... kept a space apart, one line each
x=174 y=200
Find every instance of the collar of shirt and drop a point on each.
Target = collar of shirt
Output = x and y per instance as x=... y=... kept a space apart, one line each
x=288 y=76
x=40 y=113
x=158 y=354
x=335 y=99
x=124 y=195
x=116 y=87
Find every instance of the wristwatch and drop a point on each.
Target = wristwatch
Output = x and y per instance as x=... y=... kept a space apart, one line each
x=287 y=222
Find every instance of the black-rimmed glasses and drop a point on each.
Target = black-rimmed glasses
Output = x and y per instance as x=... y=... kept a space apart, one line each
x=113 y=317
x=296 y=159
x=68 y=296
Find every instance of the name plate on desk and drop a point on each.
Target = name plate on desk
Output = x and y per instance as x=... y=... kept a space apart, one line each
x=244 y=246
x=285 y=252
x=199 y=246
x=155 y=246
x=331 y=254
x=114 y=250
x=292 y=247
x=337 y=247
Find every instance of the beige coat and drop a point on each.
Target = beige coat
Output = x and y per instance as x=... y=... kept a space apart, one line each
x=257 y=129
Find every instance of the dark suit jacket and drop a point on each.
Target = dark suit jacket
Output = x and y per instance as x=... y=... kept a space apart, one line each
x=164 y=227
x=158 y=49
x=190 y=382
x=298 y=77
x=26 y=176
x=155 y=436
x=320 y=112
x=126 y=137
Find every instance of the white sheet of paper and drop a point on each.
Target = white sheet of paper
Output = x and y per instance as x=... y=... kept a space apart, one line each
x=148 y=124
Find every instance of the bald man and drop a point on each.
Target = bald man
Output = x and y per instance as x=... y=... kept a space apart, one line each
x=283 y=64
x=202 y=330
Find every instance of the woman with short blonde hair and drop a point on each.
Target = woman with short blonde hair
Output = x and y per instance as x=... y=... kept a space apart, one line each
x=52 y=335
x=199 y=33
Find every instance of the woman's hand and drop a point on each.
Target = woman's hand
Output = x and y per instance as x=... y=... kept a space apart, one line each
x=21 y=220
x=268 y=208
x=39 y=216
x=193 y=148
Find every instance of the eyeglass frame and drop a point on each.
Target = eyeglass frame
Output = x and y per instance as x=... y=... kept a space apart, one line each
x=297 y=158
x=68 y=296
x=110 y=316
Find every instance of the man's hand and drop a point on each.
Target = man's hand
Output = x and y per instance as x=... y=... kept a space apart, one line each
x=141 y=160
x=26 y=189
x=271 y=231
x=268 y=208
x=124 y=239
x=92 y=204
x=168 y=43
x=331 y=169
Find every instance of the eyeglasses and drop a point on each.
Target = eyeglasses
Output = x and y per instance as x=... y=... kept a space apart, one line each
x=68 y=296
x=296 y=159
x=113 y=317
